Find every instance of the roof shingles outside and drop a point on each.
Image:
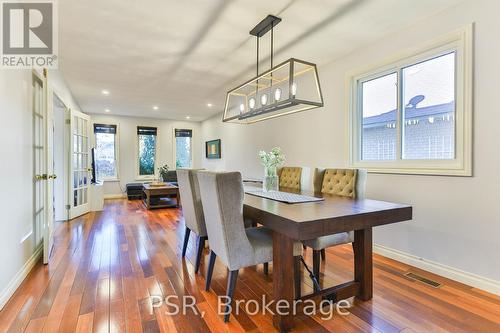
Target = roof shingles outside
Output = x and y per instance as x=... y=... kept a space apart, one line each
x=410 y=113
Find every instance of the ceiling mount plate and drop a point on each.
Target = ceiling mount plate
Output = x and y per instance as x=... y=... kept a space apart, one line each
x=265 y=25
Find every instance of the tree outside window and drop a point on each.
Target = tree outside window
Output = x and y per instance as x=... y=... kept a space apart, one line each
x=183 y=148
x=105 y=157
x=147 y=150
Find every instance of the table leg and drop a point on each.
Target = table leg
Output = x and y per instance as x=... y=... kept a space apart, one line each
x=363 y=263
x=283 y=286
x=148 y=200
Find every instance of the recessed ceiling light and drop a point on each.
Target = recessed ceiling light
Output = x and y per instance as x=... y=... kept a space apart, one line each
x=188 y=117
x=209 y=105
x=105 y=92
x=107 y=110
x=155 y=107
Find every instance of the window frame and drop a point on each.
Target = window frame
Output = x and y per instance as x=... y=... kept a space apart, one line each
x=117 y=152
x=460 y=42
x=138 y=176
x=174 y=144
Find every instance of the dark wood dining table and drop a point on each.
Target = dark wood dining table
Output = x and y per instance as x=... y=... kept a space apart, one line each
x=303 y=221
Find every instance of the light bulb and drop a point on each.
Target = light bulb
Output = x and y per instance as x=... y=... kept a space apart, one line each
x=294 y=89
x=277 y=94
x=263 y=99
x=242 y=107
x=251 y=103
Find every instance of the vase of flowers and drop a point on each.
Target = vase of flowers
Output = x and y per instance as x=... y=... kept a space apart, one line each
x=163 y=173
x=271 y=161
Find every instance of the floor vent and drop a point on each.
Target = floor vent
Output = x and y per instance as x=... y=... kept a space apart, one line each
x=422 y=279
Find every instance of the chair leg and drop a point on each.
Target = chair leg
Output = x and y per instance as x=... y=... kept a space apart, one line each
x=201 y=246
x=231 y=284
x=210 y=270
x=266 y=268
x=323 y=254
x=297 y=275
x=316 y=255
x=186 y=241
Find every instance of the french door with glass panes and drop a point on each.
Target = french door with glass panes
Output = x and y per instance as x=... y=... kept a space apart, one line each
x=39 y=159
x=80 y=164
x=42 y=165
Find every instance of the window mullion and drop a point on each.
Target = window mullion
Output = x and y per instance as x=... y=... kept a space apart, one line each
x=400 y=115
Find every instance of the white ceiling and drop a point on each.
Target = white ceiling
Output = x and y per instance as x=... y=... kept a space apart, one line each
x=182 y=54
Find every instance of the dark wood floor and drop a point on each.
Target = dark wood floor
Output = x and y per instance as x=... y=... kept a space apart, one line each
x=106 y=265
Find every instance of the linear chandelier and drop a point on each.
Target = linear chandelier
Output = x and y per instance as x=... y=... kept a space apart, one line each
x=289 y=87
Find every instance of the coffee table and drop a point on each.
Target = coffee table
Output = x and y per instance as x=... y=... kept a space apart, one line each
x=161 y=196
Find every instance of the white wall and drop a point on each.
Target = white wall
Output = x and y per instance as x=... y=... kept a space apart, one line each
x=127 y=137
x=16 y=172
x=456 y=220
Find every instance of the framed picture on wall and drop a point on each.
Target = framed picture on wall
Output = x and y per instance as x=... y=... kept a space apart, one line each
x=212 y=149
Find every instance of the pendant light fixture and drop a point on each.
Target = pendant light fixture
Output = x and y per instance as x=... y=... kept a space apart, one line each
x=289 y=87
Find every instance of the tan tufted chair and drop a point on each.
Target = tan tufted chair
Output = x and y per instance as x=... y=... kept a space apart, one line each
x=295 y=178
x=290 y=177
x=349 y=183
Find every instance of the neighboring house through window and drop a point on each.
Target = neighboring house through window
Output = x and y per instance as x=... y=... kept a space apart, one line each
x=413 y=115
x=146 y=157
x=106 y=152
x=183 y=148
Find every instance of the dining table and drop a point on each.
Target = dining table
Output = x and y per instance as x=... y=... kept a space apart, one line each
x=291 y=222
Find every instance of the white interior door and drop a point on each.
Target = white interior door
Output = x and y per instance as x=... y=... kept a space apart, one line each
x=48 y=237
x=61 y=158
x=42 y=166
x=80 y=164
x=39 y=155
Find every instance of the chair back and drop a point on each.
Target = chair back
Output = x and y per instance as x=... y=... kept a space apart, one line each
x=222 y=196
x=349 y=183
x=192 y=207
x=290 y=177
x=297 y=178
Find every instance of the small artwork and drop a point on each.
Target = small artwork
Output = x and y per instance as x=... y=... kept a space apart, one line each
x=213 y=149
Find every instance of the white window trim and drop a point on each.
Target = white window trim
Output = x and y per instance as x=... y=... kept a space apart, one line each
x=157 y=151
x=117 y=154
x=174 y=146
x=460 y=41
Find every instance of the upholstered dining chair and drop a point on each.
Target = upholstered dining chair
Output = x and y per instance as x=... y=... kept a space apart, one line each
x=193 y=211
x=348 y=183
x=236 y=246
x=295 y=178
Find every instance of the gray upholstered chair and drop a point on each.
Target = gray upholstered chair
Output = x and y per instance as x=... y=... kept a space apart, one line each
x=349 y=183
x=238 y=247
x=193 y=211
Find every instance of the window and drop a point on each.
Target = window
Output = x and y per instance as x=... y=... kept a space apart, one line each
x=105 y=152
x=413 y=115
x=183 y=148
x=146 y=137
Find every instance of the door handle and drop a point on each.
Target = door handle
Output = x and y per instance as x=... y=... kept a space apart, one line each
x=41 y=177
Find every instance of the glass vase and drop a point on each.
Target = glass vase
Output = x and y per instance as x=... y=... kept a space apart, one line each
x=271 y=182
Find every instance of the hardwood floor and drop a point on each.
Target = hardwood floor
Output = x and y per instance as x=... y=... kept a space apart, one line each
x=106 y=265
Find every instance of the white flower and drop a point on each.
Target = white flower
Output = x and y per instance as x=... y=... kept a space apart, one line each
x=274 y=158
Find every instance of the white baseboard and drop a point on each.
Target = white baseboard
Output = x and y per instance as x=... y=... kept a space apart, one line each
x=455 y=274
x=114 y=196
x=11 y=288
